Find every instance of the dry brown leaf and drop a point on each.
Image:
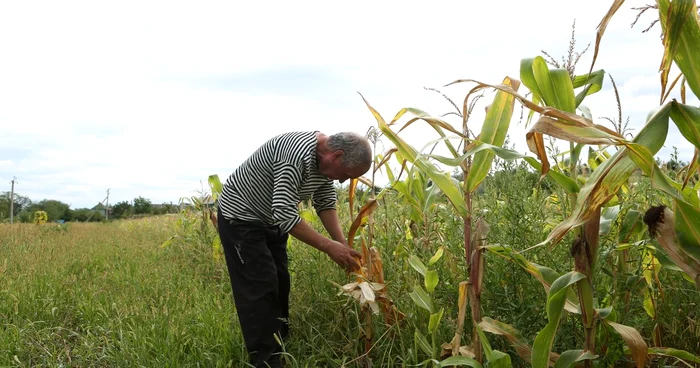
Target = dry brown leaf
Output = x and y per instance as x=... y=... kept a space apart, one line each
x=601 y=29
x=634 y=341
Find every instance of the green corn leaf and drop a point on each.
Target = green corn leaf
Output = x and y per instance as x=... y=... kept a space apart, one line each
x=422 y=299
x=607 y=218
x=592 y=83
x=436 y=257
x=493 y=132
x=687 y=118
x=545 y=275
x=478 y=147
x=556 y=298
x=460 y=361
x=422 y=343
x=676 y=353
x=665 y=261
x=571 y=357
x=606 y=312
x=554 y=85
x=435 y=319
x=484 y=343
x=536 y=101
x=527 y=75
x=500 y=359
x=216 y=186
x=436 y=123
x=431 y=280
x=417 y=264
x=683 y=29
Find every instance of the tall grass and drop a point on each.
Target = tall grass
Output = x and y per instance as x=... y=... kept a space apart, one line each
x=107 y=295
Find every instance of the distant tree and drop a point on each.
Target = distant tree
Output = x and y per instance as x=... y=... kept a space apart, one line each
x=122 y=210
x=86 y=214
x=170 y=207
x=142 y=205
x=55 y=210
x=26 y=216
x=21 y=204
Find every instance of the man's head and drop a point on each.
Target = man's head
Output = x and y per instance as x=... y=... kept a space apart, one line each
x=344 y=156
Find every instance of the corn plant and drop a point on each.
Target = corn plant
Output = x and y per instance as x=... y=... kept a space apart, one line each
x=555 y=100
x=369 y=288
x=194 y=222
x=422 y=297
x=608 y=178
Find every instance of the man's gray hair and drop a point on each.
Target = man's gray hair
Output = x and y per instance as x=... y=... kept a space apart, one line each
x=355 y=147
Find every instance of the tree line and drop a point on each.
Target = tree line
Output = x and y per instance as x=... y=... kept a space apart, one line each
x=24 y=209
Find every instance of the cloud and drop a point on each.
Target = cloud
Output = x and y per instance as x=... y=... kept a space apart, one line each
x=149 y=98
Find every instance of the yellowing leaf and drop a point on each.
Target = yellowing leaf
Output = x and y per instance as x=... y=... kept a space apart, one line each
x=365 y=211
x=633 y=340
x=493 y=131
x=441 y=179
x=431 y=280
x=605 y=180
x=436 y=256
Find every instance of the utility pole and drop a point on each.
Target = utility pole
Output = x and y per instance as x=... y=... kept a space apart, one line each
x=12 y=200
x=107 y=206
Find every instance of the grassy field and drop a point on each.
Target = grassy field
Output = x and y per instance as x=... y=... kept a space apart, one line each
x=111 y=295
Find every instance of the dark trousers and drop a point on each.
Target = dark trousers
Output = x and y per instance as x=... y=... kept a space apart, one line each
x=256 y=256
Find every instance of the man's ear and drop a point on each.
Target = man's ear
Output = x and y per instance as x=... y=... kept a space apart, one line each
x=338 y=154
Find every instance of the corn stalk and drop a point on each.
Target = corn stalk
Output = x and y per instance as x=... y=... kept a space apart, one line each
x=369 y=287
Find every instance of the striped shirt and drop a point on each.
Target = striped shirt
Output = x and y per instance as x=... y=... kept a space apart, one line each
x=271 y=183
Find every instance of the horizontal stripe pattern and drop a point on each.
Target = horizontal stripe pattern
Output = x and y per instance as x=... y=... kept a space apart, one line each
x=270 y=184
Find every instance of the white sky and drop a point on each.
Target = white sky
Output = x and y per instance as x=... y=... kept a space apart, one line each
x=149 y=98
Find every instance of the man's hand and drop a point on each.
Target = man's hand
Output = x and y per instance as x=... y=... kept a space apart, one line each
x=343 y=255
x=339 y=251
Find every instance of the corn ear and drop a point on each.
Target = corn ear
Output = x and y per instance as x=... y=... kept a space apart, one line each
x=678 y=233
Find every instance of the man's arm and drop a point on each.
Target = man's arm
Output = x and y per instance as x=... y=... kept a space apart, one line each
x=329 y=218
x=324 y=200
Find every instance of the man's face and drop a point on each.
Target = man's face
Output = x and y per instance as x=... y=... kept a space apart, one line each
x=334 y=169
